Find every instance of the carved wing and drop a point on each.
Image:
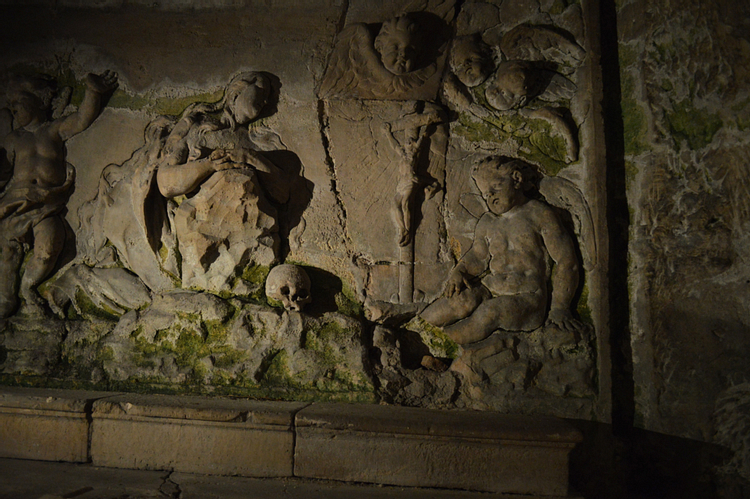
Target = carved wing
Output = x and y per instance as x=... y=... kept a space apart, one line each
x=355 y=70
x=536 y=43
x=562 y=193
x=561 y=124
x=348 y=61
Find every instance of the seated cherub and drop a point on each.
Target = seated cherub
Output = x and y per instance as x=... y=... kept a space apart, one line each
x=501 y=282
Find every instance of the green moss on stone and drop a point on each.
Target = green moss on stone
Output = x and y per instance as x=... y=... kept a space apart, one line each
x=277 y=369
x=584 y=312
x=88 y=308
x=635 y=126
x=439 y=343
x=533 y=138
x=692 y=125
x=256 y=275
x=158 y=105
x=631 y=171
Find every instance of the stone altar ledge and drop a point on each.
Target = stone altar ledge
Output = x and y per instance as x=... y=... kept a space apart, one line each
x=428 y=448
x=481 y=451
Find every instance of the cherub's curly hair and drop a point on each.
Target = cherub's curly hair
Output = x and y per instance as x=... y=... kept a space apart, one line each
x=473 y=41
x=404 y=24
x=503 y=165
x=43 y=87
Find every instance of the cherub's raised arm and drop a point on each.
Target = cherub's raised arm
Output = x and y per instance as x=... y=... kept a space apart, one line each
x=88 y=111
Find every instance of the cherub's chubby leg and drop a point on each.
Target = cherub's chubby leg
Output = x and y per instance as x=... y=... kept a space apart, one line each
x=11 y=256
x=444 y=311
x=49 y=237
x=521 y=312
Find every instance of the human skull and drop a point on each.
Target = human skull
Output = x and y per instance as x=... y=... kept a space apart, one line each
x=290 y=285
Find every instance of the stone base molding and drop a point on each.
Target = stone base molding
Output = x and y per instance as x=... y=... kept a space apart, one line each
x=391 y=445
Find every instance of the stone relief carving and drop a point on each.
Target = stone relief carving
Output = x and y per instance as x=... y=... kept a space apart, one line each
x=469 y=275
x=398 y=60
x=196 y=205
x=401 y=155
x=290 y=285
x=534 y=67
x=501 y=283
x=33 y=198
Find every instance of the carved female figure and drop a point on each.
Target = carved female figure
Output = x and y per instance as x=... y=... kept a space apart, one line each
x=198 y=186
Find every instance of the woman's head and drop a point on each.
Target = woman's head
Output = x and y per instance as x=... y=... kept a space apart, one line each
x=245 y=97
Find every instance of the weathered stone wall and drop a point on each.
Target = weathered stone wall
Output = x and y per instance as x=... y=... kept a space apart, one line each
x=684 y=72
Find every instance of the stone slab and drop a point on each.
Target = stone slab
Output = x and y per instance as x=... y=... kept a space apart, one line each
x=419 y=447
x=45 y=424
x=23 y=479
x=193 y=434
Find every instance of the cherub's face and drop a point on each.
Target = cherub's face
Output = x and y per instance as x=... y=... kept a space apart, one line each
x=510 y=89
x=398 y=53
x=25 y=107
x=469 y=65
x=247 y=103
x=501 y=190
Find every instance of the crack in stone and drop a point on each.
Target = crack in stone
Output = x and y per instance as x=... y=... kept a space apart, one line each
x=324 y=127
x=170 y=488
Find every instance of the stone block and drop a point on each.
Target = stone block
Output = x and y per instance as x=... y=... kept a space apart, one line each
x=47 y=425
x=427 y=448
x=194 y=434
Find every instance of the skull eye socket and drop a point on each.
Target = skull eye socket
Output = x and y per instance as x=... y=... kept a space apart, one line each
x=284 y=290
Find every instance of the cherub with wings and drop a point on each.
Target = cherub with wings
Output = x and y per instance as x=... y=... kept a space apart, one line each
x=388 y=64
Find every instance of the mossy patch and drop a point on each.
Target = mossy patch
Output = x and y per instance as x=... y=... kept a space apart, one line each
x=634 y=122
x=90 y=309
x=631 y=171
x=434 y=338
x=583 y=309
x=534 y=139
x=324 y=339
x=192 y=344
x=696 y=127
x=256 y=275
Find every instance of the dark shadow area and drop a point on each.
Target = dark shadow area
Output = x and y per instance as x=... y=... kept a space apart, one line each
x=324 y=286
x=618 y=224
x=649 y=465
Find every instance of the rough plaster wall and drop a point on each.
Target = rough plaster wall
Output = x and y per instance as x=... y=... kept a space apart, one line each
x=684 y=71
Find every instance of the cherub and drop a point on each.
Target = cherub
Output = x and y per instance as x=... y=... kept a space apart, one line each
x=510 y=86
x=501 y=282
x=34 y=198
x=397 y=62
x=399 y=43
